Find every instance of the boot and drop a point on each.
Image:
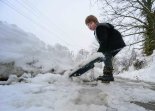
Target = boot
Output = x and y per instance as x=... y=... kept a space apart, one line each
x=107 y=75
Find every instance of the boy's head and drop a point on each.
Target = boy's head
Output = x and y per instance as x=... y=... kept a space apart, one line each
x=91 y=21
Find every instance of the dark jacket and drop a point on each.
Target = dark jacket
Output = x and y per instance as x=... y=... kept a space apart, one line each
x=109 y=38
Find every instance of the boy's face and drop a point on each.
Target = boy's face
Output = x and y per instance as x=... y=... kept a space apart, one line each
x=91 y=25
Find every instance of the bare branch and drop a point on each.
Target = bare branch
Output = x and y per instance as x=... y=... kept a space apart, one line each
x=111 y=6
x=132 y=27
x=133 y=34
x=138 y=48
x=136 y=42
x=132 y=18
x=145 y=8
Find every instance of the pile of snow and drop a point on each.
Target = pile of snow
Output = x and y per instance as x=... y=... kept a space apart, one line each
x=30 y=53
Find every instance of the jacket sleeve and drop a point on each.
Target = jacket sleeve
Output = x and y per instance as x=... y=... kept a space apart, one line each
x=102 y=36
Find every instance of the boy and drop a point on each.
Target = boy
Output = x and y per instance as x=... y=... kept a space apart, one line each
x=110 y=43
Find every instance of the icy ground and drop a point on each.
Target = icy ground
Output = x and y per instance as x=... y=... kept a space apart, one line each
x=51 y=92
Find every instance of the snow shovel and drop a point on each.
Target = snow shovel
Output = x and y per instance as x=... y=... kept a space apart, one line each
x=85 y=67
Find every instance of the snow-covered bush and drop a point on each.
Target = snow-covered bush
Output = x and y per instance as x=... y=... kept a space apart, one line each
x=127 y=59
x=81 y=55
x=139 y=64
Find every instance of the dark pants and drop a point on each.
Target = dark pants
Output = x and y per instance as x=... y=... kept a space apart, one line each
x=108 y=58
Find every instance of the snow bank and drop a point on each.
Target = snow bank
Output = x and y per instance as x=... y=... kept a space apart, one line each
x=30 y=53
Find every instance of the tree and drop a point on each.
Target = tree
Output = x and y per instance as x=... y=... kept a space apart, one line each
x=133 y=18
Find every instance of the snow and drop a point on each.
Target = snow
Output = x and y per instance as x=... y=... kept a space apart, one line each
x=80 y=64
x=56 y=92
x=29 y=52
x=52 y=92
x=145 y=74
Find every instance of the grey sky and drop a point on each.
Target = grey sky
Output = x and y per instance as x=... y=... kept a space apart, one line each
x=53 y=21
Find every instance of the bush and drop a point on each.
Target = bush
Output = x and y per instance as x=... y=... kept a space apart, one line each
x=139 y=64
